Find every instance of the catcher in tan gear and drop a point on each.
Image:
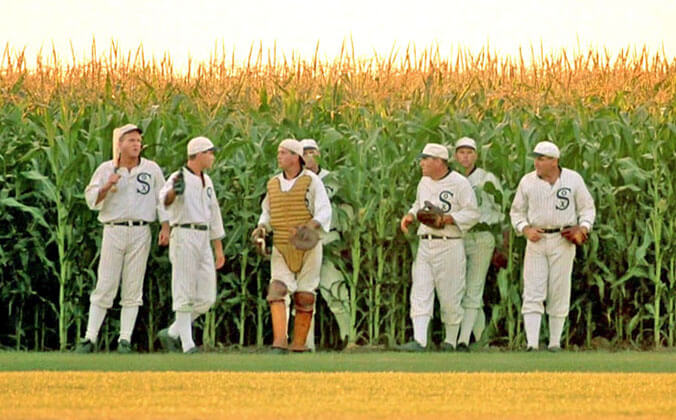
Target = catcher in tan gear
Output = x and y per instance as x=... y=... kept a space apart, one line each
x=553 y=209
x=295 y=207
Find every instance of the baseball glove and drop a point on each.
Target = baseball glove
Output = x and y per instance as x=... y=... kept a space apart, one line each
x=499 y=260
x=305 y=238
x=575 y=234
x=258 y=240
x=179 y=183
x=431 y=216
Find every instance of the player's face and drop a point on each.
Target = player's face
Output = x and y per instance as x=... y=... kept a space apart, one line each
x=131 y=145
x=546 y=166
x=206 y=159
x=285 y=158
x=310 y=157
x=431 y=166
x=466 y=156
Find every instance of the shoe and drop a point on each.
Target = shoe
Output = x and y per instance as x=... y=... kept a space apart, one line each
x=530 y=349
x=447 y=347
x=124 y=347
x=85 y=346
x=554 y=349
x=193 y=350
x=462 y=348
x=169 y=343
x=278 y=350
x=411 y=346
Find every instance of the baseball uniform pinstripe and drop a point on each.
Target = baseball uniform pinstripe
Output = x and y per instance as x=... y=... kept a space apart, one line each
x=124 y=248
x=440 y=263
x=548 y=263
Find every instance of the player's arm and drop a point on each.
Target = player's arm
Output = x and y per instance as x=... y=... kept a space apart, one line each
x=585 y=208
x=468 y=215
x=218 y=253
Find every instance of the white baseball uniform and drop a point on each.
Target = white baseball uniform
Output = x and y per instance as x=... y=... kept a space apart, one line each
x=319 y=207
x=195 y=217
x=125 y=215
x=548 y=263
x=479 y=247
x=440 y=261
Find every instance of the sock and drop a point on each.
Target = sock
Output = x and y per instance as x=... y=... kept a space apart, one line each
x=555 y=330
x=479 y=324
x=420 y=324
x=532 y=325
x=184 y=326
x=96 y=316
x=467 y=323
x=173 y=329
x=343 y=320
x=127 y=320
x=452 y=333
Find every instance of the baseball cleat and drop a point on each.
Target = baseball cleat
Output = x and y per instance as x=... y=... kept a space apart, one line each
x=278 y=350
x=554 y=349
x=462 y=348
x=124 y=347
x=85 y=346
x=447 y=347
x=411 y=346
x=531 y=349
x=193 y=350
x=169 y=343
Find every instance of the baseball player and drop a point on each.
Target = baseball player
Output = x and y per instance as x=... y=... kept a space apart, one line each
x=296 y=202
x=479 y=242
x=331 y=283
x=125 y=192
x=440 y=261
x=551 y=204
x=195 y=218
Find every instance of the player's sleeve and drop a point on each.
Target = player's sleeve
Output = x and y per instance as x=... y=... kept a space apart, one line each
x=468 y=215
x=92 y=190
x=162 y=213
x=417 y=204
x=519 y=211
x=321 y=204
x=584 y=206
x=264 y=218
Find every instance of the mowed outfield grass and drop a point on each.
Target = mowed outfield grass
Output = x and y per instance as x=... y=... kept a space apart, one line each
x=337 y=385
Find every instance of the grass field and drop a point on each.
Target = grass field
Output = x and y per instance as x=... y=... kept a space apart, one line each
x=338 y=385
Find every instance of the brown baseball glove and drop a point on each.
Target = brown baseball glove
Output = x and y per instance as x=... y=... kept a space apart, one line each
x=575 y=234
x=305 y=238
x=431 y=216
x=499 y=260
x=258 y=240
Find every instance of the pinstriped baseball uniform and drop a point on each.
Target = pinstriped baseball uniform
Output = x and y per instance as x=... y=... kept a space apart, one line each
x=480 y=242
x=124 y=249
x=440 y=263
x=193 y=274
x=548 y=263
x=319 y=206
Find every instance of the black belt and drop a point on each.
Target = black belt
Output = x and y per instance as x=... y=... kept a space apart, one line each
x=129 y=223
x=429 y=237
x=555 y=230
x=192 y=226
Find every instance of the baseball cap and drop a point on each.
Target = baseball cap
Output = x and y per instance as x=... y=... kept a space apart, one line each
x=121 y=131
x=309 y=144
x=199 y=144
x=434 y=150
x=546 y=148
x=292 y=146
x=465 y=142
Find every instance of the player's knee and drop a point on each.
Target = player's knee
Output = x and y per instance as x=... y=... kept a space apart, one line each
x=304 y=301
x=276 y=291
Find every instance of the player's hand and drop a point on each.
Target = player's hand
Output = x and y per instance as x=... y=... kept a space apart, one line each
x=405 y=222
x=163 y=237
x=220 y=261
x=113 y=179
x=532 y=234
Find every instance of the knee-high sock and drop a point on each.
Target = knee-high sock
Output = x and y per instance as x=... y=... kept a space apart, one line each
x=184 y=326
x=343 y=320
x=555 y=330
x=452 y=333
x=467 y=325
x=127 y=321
x=532 y=324
x=96 y=316
x=420 y=324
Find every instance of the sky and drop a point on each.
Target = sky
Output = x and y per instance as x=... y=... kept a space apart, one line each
x=197 y=28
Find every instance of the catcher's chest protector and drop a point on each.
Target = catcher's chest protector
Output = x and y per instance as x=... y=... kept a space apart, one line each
x=287 y=210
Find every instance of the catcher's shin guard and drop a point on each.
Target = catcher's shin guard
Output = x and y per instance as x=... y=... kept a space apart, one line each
x=304 y=302
x=278 y=312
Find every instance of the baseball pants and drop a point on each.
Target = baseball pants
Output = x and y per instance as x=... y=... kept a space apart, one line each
x=193 y=274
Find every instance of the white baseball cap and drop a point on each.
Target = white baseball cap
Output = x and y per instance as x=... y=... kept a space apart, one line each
x=125 y=129
x=292 y=145
x=434 y=150
x=546 y=148
x=199 y=144
x=309 y=144
x=465 y=142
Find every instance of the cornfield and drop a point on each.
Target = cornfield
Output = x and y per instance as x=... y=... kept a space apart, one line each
x=612 y=116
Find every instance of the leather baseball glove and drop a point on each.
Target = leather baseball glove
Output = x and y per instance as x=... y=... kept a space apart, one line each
x=431 y=216
x=258 y=240
x=499 y=260
x=575 y=234
x=305 y=238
